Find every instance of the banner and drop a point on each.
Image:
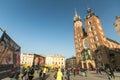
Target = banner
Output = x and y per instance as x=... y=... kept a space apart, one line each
x=41 y=61
x=9 y=56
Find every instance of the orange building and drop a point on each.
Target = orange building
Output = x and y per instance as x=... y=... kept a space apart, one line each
x=88 y=42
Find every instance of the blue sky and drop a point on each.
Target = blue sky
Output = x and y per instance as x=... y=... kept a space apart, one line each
x=46 y=26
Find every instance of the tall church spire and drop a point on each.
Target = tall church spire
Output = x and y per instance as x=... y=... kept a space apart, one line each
x=76 y=17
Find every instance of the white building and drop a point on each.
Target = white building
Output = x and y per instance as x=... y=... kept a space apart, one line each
x=117 y=25
x=55 y=60
x=26 y=58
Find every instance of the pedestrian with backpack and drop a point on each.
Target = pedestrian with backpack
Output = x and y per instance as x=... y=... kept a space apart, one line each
x=31 y=73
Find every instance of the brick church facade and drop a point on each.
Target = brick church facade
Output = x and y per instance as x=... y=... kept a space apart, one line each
x=92 y=47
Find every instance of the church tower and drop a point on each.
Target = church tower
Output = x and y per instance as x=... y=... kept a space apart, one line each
x=78 y=35
x=96 y=36
x=92 y=46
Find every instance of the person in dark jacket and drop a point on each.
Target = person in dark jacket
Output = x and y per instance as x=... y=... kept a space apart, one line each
x=68 y=74
x=31 y=73
x=74 y=72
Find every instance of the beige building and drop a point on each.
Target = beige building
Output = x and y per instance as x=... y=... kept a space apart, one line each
x=53 y=60
x=87 y=42
x=26 y=58
x=71 y=62
x=34 y=60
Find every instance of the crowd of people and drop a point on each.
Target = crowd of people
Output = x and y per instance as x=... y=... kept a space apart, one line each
x=65 y=73
x=27 y=73
x=108 y=70
x=60 y=73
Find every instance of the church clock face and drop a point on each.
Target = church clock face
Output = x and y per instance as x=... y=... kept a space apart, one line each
x=85 y=43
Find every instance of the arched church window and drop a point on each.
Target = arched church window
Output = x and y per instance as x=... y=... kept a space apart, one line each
x=89 y=22
x=93 y=27
x=93 y=33
x=89 y=29
x=96 y=38
x=85 y=43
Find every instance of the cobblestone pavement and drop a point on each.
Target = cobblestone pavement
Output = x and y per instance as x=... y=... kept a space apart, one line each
x=91 y=75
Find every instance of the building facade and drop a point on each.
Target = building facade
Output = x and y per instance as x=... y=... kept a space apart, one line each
x=26 y=58
x=87 y=42
x=34 y=60
x=107 y=57
x=71 y=62
x=55 y=60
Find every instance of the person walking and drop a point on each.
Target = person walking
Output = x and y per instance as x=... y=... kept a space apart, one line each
x=44 y=72
x=62 y=70
x=15 y=76
x=99 y=70
x=112 y=73
x=74 y=72
x=55 y=73
x=68 y=74
x=40 y=72
x=59 y=75
x=108 y=73
x=25 y=75
x=31 y=73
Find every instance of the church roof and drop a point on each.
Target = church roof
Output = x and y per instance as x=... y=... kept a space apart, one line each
x=76 y=16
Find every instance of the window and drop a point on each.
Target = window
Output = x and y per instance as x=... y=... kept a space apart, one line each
x=98 y=44
x=93 y=40
x=94 y=32
x=96 y=38
x=91 y=35
x=89 y=22
x=89 y=29
x=111 y=45
x=93 y=27
x=92 y=46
